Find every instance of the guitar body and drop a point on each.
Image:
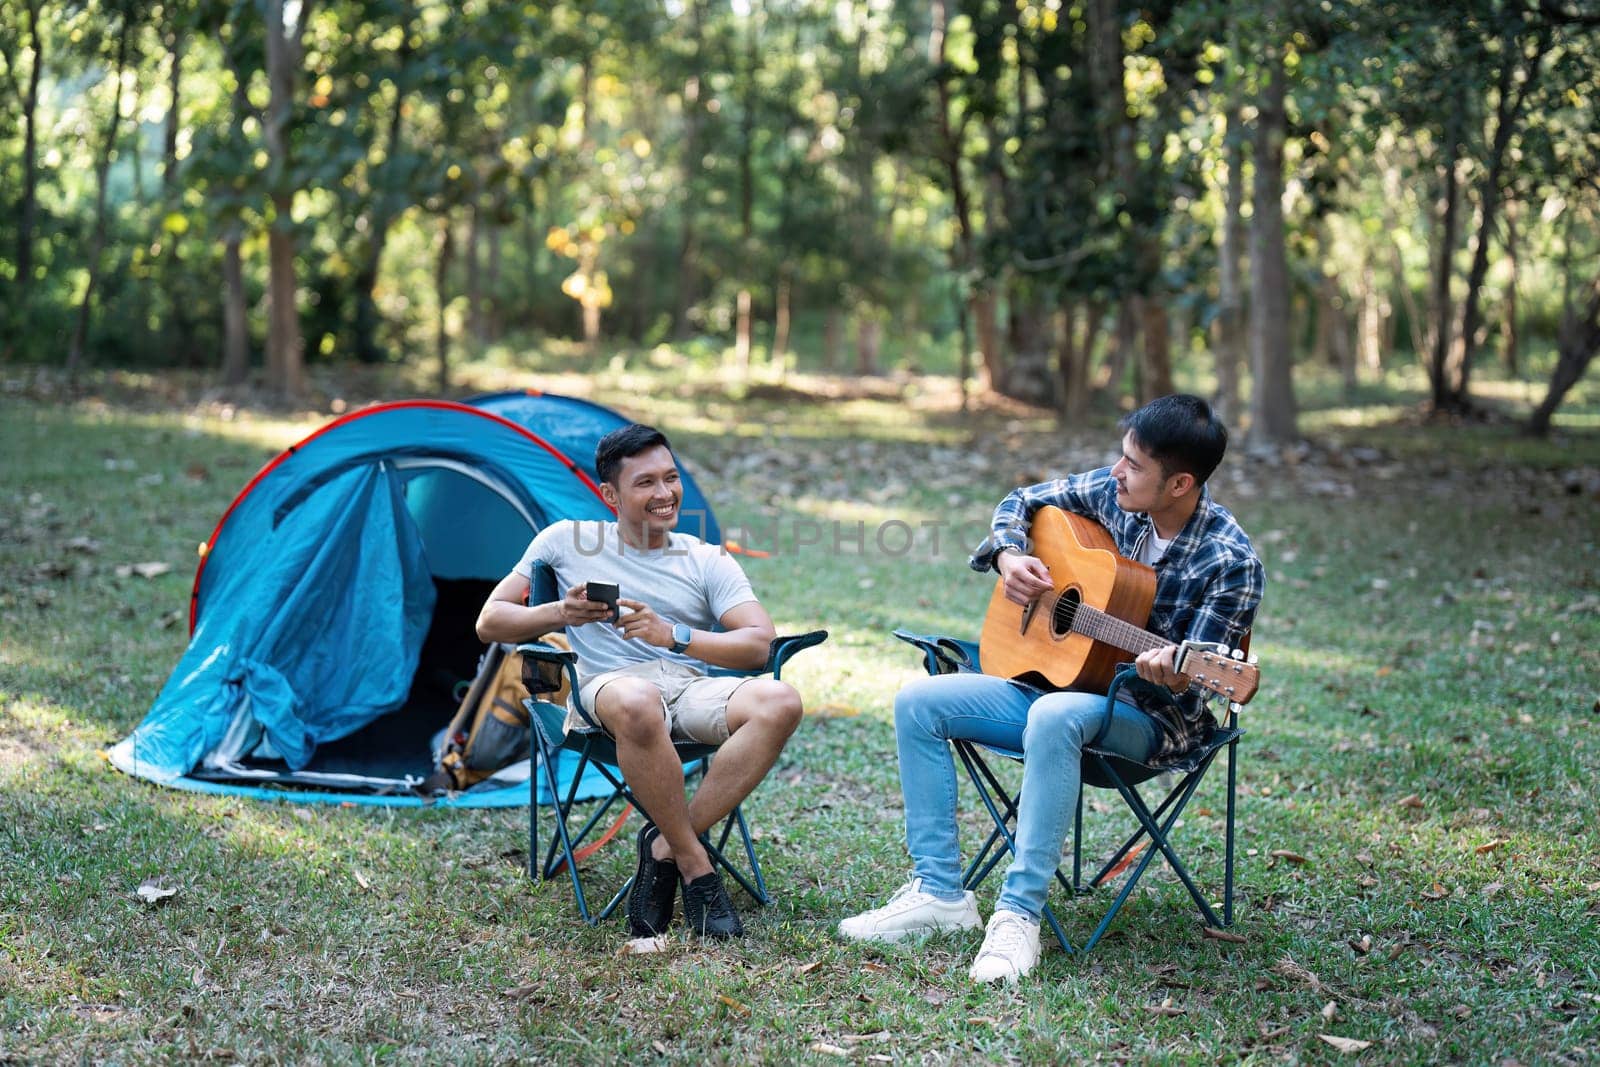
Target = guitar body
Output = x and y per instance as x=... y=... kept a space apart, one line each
x=1035 y=643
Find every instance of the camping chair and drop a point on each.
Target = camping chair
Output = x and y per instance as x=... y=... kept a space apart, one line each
x=1104 y=770
x=595 y=749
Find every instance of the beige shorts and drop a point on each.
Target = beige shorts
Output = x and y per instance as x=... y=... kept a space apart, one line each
x=695 y=705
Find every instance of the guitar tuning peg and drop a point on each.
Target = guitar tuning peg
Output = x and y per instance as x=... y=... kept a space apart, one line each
x=1237 y=653
x=1253 y=661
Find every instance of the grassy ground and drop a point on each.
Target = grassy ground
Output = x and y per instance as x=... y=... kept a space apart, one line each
x=1417 y=820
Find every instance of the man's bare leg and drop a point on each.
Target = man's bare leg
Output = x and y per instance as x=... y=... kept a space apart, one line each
x=762 y=715
x=632 y=713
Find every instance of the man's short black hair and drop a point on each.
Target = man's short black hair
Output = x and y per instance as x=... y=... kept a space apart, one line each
x=1181 y=433
x=622 y=443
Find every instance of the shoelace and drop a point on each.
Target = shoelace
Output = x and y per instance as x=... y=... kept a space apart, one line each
x=1007 y=936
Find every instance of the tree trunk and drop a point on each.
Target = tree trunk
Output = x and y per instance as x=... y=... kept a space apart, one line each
x=1443 y=308
x=183 y=324
x=97 y=244
x=985 y=319
x=869 y=336
x=780 y=326
x=1155 y=368
x=692 y=152
x=741 y=330
x=1230 y=311
x=1508 y=112
x=1576 y=344
x=1124 y=335
x=441 y=291
x=1076 y=356
x=495 y=309
x=1029 y=376
x=27 y=207
x=1272 y=403
x=1509 y=341
x=285 y=359
x=475 y=326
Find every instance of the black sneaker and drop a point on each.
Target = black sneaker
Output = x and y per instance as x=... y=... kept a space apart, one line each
x=707 y=909
x=655 y=890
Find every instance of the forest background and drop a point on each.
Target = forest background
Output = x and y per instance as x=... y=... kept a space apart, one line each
x=1057 y=201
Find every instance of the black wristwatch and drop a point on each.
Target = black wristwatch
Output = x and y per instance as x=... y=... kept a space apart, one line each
x=681 y=636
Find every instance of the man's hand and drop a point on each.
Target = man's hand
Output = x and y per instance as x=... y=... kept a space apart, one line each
x=577 y=608
x=1026 y=577
x=643 y=624
x=1156 y=666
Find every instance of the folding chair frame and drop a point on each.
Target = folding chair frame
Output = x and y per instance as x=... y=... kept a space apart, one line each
x=597 y=749
x=1102 y=769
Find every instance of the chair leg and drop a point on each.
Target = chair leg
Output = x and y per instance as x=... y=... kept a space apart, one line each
x=1227 y=878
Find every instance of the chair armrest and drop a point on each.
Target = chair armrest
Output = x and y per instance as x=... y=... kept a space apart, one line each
x=1125 y=677
x=786 y=646
x=943 y=655
x=544 y=653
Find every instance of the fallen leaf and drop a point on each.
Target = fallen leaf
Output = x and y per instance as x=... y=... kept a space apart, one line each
x=1493 y=888
x=1410 y=800
x=143 y=570
x=733 y=1005
x=982 y=1020
x=361 y=879
x=660 y=1047
x=1329 y=1010
x=1490 y=846
x=1291 y=970
x=521 y=992
x=154 y=891
x=827 y=1049
x=1437 y=892
x=1290 y=857
x=1223 y=935
x=1363 y=946
x=643 y=946
x=1345 y=1044
x=1166 y=1007
x=808 y=967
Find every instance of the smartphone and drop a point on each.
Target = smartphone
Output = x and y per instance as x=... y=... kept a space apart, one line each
x=605 y=593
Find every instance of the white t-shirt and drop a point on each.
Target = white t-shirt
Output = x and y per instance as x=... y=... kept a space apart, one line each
x=685 y=581
x=1154 y=548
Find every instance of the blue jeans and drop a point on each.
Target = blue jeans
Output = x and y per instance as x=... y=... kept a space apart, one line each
x=1050 y=729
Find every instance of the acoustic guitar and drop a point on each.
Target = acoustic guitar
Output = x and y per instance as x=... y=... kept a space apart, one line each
x=1075 y=636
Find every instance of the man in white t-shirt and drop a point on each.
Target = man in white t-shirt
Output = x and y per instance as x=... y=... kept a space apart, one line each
x=642 y=676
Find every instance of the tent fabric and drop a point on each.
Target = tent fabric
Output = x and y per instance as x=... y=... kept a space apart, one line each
x=575 y=426
x=319 y=609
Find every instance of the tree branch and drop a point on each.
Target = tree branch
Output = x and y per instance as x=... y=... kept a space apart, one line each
x=1560 y=16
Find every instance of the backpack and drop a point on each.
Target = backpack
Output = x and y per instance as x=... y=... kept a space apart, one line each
x=490 y=728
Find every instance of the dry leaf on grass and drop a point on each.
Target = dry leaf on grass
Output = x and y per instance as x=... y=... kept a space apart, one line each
x=1288 y=856
x=807 y=968
x=1166 y=1007
x=643 y=946
x=827 y=1049
x=733 y=1005
x=1345 y=1044
x=1436 y=892
x=143 y=570
x=1223 y=935
x=154 y=891
x=1291 y=970
x=1490 y=846
x=1410 y=800
x=1329 y=1011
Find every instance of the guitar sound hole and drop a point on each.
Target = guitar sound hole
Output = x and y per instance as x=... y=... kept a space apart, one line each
x=1066 y=610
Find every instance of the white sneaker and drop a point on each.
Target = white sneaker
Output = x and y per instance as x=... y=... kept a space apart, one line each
x=911 y=911
x=1010 y=948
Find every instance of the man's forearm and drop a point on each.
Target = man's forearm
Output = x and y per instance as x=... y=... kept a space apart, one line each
x=501 y=620
x=744 y=649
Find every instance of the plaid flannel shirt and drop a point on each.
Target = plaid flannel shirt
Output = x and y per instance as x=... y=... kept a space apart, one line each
x=1208 y=583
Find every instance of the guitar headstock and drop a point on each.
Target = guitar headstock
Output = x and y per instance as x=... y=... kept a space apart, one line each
x=1213 y=667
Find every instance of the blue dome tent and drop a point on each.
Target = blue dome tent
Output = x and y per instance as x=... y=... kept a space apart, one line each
x=332 y=613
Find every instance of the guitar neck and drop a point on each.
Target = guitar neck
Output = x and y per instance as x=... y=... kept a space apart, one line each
x=1096 y=624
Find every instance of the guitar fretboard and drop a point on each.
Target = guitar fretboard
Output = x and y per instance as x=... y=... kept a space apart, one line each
x=1096 y=624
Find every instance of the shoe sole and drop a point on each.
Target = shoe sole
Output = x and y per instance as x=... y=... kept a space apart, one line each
x=892 y=936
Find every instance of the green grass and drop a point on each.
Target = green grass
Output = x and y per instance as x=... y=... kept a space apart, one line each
x=1429 y=642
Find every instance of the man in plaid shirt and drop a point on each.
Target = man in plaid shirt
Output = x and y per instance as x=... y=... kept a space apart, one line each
x=1154 y=503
